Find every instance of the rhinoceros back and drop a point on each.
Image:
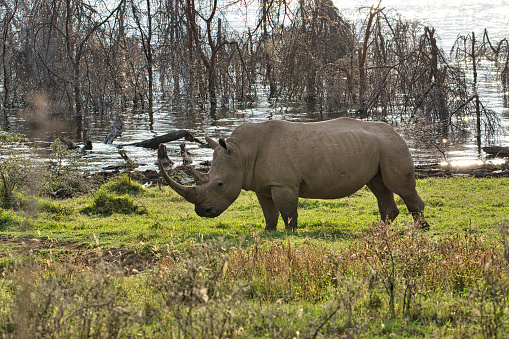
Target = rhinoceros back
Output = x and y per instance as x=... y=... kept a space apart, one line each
x=328 y=159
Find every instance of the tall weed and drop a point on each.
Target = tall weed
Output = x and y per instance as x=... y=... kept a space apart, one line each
x=53 y=300
x=64 y=170
x=17 y=172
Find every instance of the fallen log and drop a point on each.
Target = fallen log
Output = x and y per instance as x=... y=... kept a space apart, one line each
x=170 y=136
x=61 y=193
x=68 y=143
x=497 y=151
x=72 y=146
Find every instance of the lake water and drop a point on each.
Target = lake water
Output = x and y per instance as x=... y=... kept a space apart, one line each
x=450 y=18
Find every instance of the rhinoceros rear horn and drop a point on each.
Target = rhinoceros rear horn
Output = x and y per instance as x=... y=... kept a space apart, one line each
x=190 y=193
x=199 y=177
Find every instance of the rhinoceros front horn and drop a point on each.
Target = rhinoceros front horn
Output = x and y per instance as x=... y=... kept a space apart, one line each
x=190 y=193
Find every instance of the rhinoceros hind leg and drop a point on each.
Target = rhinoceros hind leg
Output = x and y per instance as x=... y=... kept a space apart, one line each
x=270 y=211
x=415 y=206
x=399 y=176
x=286 y=201
x=420 y=221
x=385 y=197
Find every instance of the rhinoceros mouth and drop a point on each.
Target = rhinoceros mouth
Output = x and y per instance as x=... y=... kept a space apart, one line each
x=207 y=212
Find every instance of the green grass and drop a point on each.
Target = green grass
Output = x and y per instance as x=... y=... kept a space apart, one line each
x=160 y=216
x=141 y=262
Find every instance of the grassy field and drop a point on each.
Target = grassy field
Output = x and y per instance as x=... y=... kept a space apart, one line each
x=125 y=261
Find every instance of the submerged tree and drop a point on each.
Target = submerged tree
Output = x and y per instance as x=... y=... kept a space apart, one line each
x=7 y=55
x=146 y=35
x=470 y=51
x=87 y=55
x=317 y=38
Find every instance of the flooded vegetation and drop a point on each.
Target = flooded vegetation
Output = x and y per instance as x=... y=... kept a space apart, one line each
x=208 y=66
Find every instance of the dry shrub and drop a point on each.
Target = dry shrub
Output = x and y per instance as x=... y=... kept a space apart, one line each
x=410 y=265
x=460 y=260
x=189 y=277
x=53 y=300
x=189 y=286
x=282 y=271
x=399 y=262
x=211 y=290
x=454 y=262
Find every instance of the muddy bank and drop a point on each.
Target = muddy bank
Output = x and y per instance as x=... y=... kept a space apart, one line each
x=477 y=171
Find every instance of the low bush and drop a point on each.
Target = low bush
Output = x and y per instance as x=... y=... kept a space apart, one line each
x=53 y=208
x=64 y=170
x=107 y=203
x=123 y=185
x=17 y=172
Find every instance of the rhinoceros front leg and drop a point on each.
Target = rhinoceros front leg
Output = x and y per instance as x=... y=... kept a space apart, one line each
x=286 y=201
x=270 y=211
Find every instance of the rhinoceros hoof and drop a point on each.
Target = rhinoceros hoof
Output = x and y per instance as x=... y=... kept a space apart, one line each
x=423 y=226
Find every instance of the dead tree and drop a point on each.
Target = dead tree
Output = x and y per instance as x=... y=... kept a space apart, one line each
x=319 y=36
x=214 y=45
x=146 y=39
x=471 y=50
x=6 y=50
x=362 y=55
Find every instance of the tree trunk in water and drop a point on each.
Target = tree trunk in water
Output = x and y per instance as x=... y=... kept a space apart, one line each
x=266 y=55
x=212 y=82
x=212 y=64
x=6 y=72
x=76 y=87
x=477 y=103
x=363 y=110
x=150 y=61
x=438 y=93
x=6 y=86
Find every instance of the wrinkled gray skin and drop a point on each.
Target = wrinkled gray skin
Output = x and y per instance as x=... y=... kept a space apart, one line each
x=281 y=161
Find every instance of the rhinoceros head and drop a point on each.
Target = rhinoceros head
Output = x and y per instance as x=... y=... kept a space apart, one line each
x=217 y=189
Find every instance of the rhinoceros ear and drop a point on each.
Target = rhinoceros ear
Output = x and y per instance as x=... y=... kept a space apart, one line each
x=227 y=147
x=222 y=142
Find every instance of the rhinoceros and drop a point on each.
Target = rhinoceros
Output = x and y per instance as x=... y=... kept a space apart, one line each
x=281 y=161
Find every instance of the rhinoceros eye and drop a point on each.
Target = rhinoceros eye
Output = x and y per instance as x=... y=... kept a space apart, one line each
x=220 y=184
